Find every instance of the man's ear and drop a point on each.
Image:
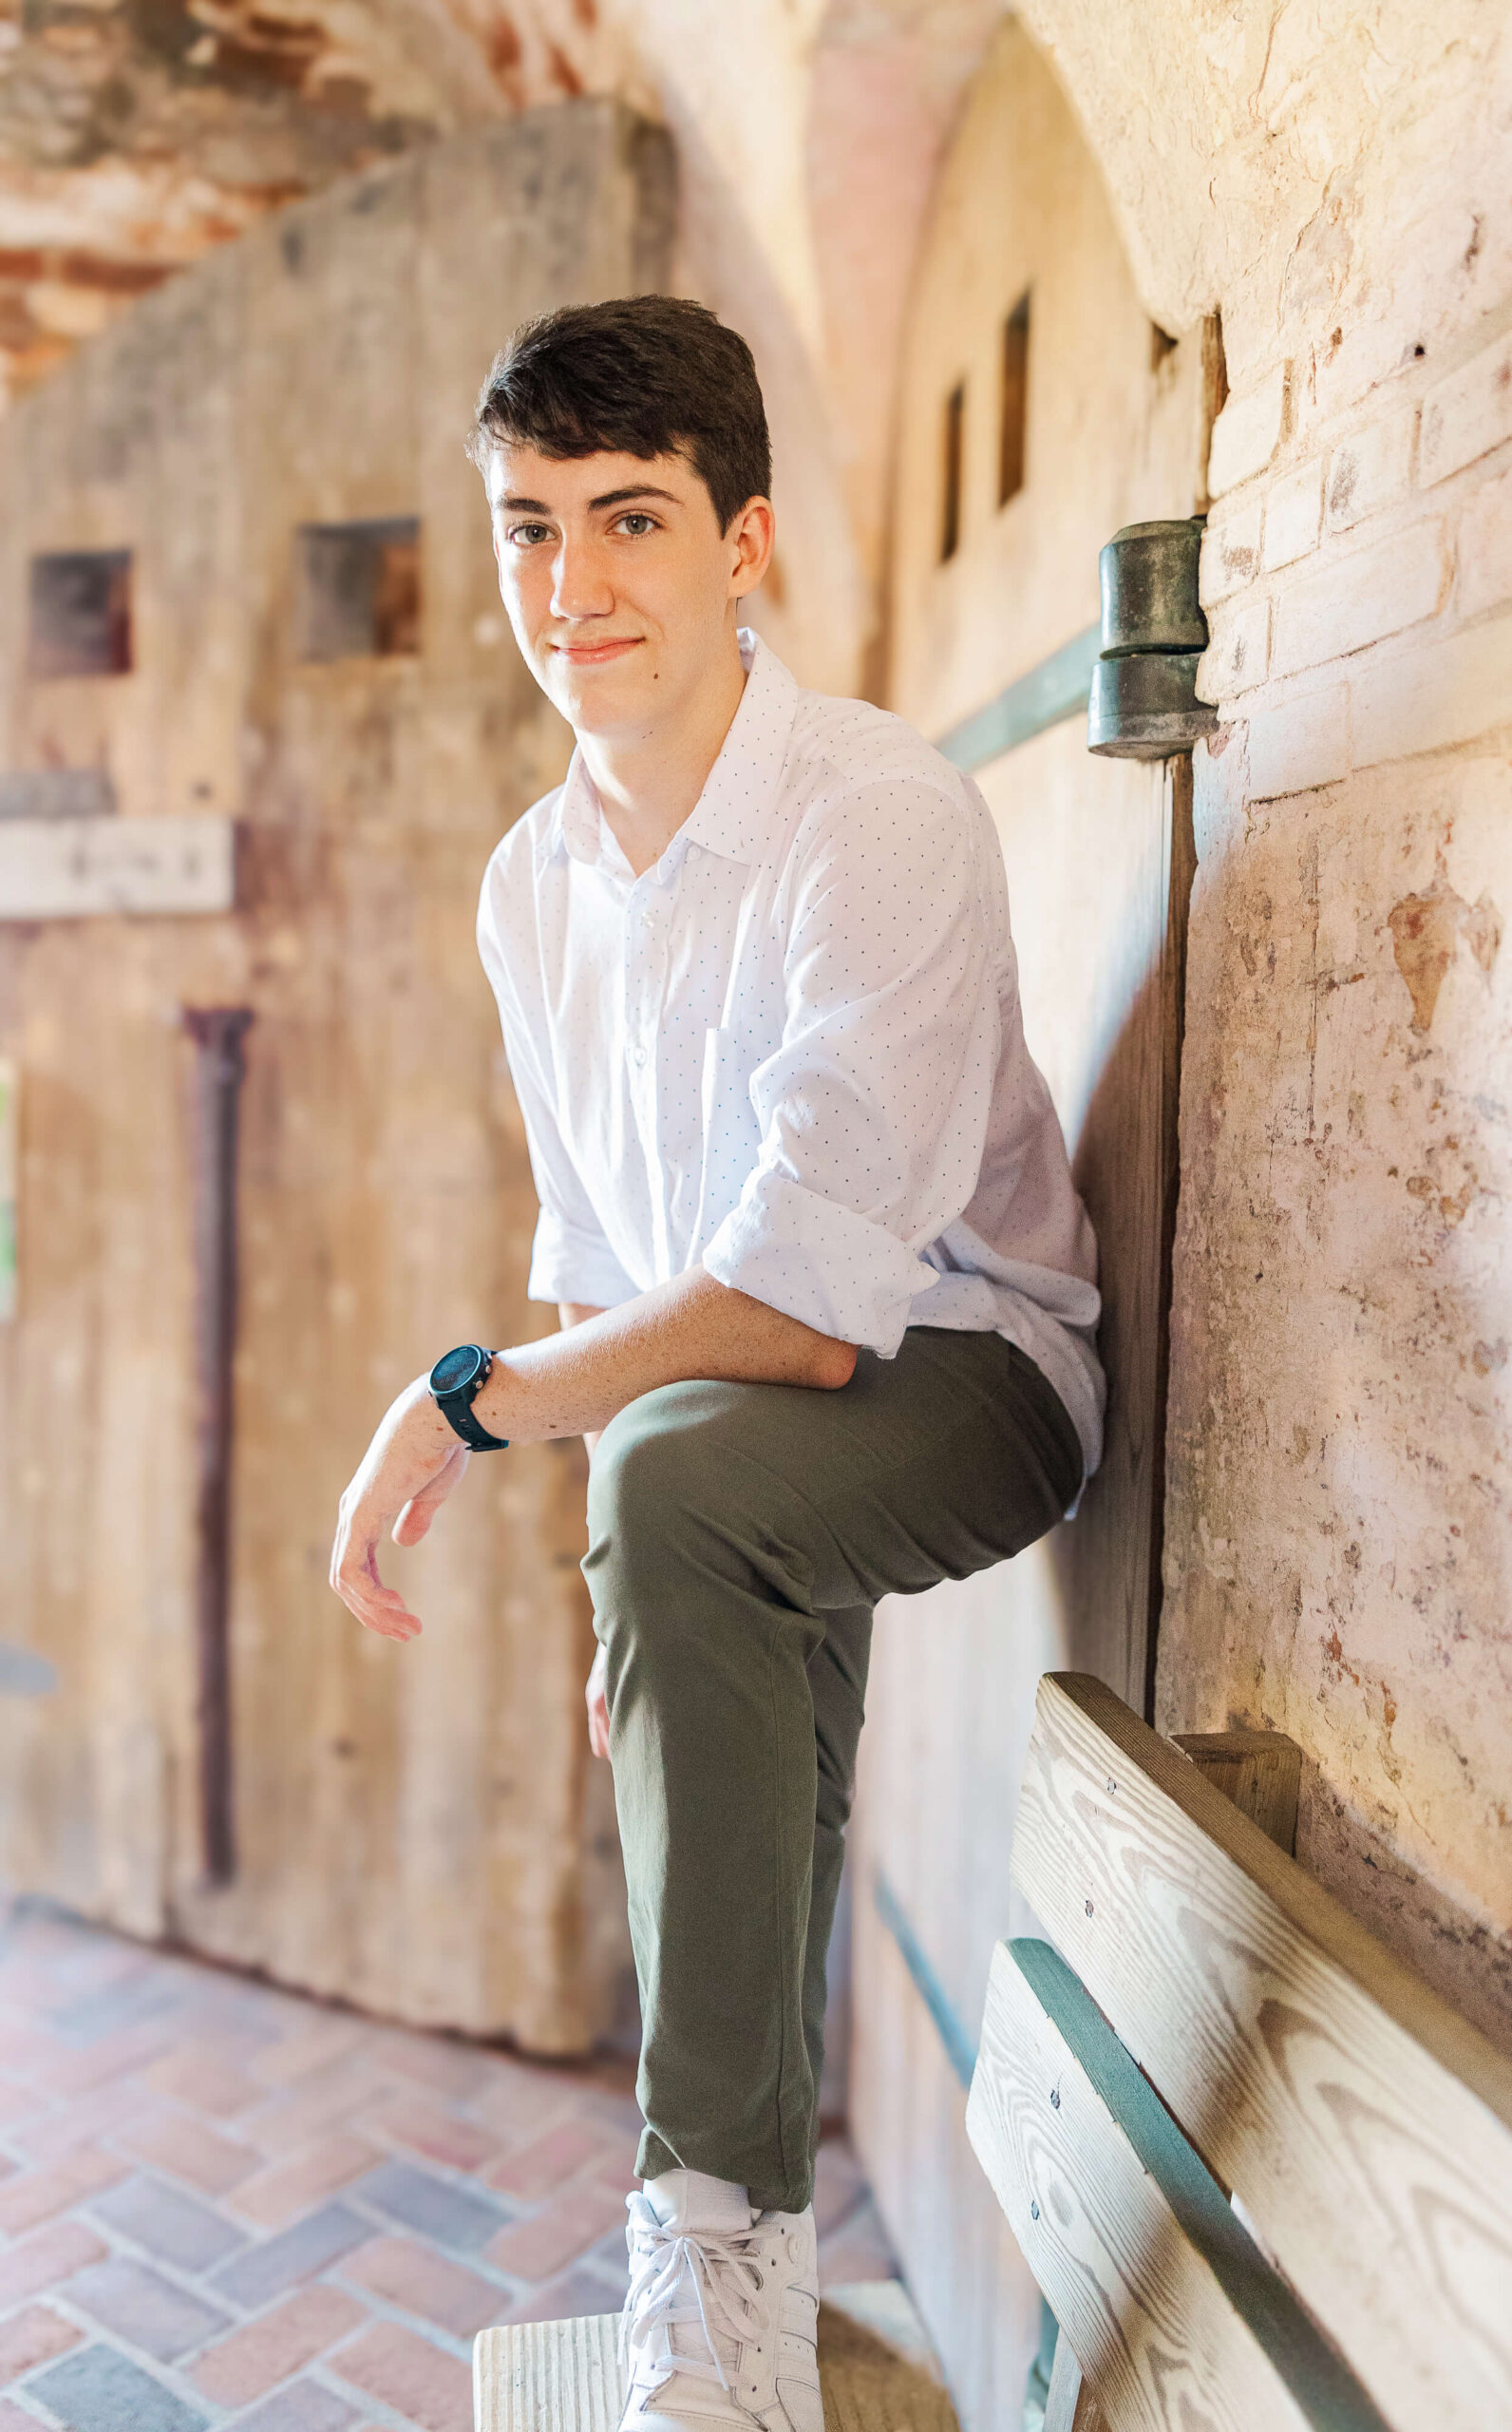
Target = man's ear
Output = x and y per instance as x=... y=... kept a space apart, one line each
x=752 y=533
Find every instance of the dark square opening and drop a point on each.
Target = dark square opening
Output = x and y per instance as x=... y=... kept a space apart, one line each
x=952 y=468
x=80 y=613
x=360 y=589
x=1014 y=427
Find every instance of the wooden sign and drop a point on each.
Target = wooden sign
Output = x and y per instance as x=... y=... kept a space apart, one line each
x=65 y=870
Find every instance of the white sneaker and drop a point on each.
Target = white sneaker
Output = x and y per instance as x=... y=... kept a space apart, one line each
x=720 y=2323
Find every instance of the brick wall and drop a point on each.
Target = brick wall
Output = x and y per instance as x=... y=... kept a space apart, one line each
x=1339 y=1532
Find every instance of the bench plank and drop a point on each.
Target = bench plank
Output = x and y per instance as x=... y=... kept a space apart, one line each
x=1069 y=2405
x=875 y=2365
x=1366 y=2126
x=1172 y=2311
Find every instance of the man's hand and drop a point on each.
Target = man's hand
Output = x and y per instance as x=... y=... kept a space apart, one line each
x=406 y=1472
x=597 y=1703
x=571 y=1384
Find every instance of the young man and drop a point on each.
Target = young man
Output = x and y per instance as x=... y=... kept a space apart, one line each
x=824 y=1283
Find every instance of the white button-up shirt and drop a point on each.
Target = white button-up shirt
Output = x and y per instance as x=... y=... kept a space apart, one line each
x=793 y=1051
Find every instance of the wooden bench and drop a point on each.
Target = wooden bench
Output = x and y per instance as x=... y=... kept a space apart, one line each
x=876 y=2365
x=1261 y=2172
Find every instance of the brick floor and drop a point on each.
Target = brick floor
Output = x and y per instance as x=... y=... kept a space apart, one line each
x=222 y=2204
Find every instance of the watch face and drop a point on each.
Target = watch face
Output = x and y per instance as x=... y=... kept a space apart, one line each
x=456 y=1370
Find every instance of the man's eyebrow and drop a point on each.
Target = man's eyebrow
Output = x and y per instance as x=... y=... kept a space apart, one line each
x=513 y=506
x=638 y=489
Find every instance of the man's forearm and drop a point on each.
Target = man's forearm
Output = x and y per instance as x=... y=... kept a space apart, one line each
x=575 y=1382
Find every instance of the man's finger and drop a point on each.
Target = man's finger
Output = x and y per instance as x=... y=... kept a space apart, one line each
x=377 y=1608
x=356 y=1581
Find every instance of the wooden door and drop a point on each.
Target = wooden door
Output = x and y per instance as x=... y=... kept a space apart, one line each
x=417 y=1830
x=1041 y=410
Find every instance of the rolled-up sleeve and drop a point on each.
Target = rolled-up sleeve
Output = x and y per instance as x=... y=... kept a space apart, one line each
x=570 y=1259
x=874 y=1111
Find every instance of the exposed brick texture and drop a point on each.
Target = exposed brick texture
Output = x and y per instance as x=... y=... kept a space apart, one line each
x=287 y=2220
x=31 y=2336
x=1293 y=516
x=48 y=2259
x=418 y=2381
x=1467 y=413
x=277 y=2196
x=1369 y=470
x=190 y=2151
x=420 y=2281
x=279 y=2343
x=1247 y=433
x=1359 y=597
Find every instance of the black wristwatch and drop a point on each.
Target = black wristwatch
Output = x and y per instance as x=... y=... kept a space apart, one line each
x=455 y=1379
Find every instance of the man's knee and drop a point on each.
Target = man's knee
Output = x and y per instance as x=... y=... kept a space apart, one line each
x=659 y=1488
x=648 y=1467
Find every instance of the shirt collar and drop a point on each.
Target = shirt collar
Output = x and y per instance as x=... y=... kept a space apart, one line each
x=737 y=812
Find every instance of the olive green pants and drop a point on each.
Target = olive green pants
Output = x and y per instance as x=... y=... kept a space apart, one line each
x=738 y=1537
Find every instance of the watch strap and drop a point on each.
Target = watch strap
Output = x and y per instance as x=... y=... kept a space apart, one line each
x=459 y=1414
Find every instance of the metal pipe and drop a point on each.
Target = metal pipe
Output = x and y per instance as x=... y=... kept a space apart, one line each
x=220 y=1065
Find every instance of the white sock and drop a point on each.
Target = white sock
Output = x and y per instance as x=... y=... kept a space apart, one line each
x=690 y=2199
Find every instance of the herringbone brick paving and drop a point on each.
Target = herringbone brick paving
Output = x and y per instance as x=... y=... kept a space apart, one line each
x=223 y=2205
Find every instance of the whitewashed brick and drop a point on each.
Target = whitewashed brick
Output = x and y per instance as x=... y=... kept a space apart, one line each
x=1467 y=413
x=1369 y=470
x=1302 y=743
x=1237 y=653
x=1351 y=600
x=1486 y=548
x=1230 y=551
x=1247 y=434
x=1444 y=692
x=1294 y=515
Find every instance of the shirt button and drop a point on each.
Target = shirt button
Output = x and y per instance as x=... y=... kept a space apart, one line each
x=637 y=1056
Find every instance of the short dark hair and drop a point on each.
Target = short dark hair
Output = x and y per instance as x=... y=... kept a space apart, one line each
x=641 y=375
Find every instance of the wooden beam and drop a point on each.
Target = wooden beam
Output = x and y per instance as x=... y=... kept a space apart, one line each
x=1366 y=2127
x=1173 y=2314
x=1259 y=1772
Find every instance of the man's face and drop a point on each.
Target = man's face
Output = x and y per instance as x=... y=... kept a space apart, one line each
x=620 y=586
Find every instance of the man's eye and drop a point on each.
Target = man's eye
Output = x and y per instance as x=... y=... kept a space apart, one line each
x=527 y=534
x=636 y=522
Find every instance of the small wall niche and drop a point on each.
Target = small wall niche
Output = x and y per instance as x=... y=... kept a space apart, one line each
x=1013 y=424
x=359 y=586
x=80 y=613
x=953 y=454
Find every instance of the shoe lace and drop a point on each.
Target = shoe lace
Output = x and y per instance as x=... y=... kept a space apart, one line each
x=680 y=2277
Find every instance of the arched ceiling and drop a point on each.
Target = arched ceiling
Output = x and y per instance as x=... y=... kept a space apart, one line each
x=135 y=134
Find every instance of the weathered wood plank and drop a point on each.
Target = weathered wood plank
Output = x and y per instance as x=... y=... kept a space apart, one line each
x=1367 y=2128
x=877 y=2369
x=549 y=2377
x=1171 y=2309
x=59 y=869
x=1259 y=1772
x=1069 y=2405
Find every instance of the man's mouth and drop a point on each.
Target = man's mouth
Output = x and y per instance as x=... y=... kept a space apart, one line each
x=597 y=653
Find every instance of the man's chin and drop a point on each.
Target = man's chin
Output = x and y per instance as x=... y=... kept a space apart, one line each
x=601 y=700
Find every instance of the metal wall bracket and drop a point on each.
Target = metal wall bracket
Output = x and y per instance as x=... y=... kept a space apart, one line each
x=1144 y=701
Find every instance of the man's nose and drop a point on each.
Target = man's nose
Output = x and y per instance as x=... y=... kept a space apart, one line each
x=580 y=584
